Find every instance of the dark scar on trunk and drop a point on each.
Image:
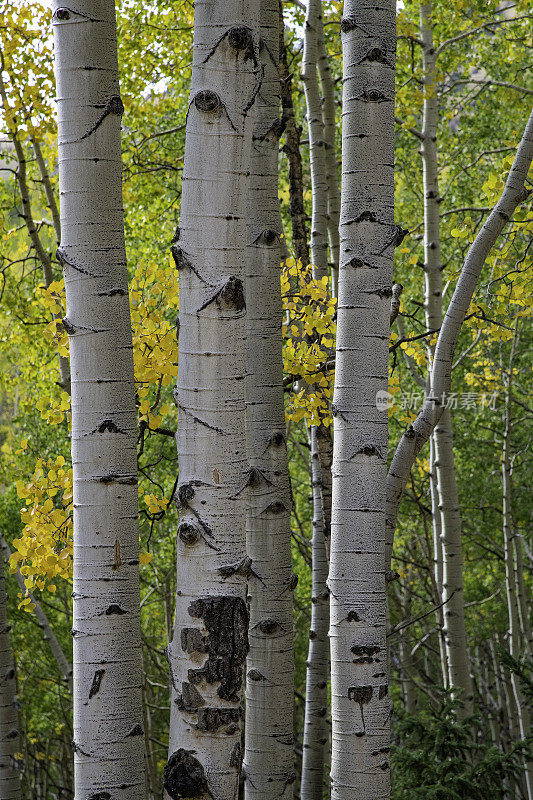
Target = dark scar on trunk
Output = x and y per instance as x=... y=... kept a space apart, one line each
x=226 y=621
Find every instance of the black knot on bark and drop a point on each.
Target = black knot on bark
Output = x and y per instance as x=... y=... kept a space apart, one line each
x=61 y=14
x=115 y=105
x=184 y=776
x=207 y=101
x=277 y=439
x=269 y=237
x=188 y=534
x=373 y=96
x=376 y=55
x=233 y=293
x=255 y=675
x=348 y=24
x=268 y=626
x=135 y=731
x=185 y=493
x=240 y=38
x=399 y=235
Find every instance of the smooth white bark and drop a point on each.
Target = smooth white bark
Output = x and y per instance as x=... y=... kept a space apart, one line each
x=419 y=432
x=269 y=756
x=108 y=733
x=443 y=466
x=210 y=640
x=10 y=788
x=361 y=705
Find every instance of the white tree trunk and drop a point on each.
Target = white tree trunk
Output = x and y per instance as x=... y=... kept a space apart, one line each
x=361 y=705
x=514 y=638
x=108 y=733
x=210 y=640
x=443 y=463
x=269 y=756
x=419 y=432
x=332 y=180
x=316 y=699
x=317 y=152
x=9 y=723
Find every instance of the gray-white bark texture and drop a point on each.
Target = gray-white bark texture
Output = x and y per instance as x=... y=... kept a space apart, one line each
x=443 y=464
x=360 y=699
x=316 y=699
x=64 y=666
x=332 y=179
x=108 y=734
x=269 y=756
x=317 y=152
x=210 y=640
x=9 y=724
x=514 y=633
x=419 y=432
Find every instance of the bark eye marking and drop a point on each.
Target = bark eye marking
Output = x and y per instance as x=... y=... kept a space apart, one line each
x=353 y=616
x=268 y=626
x=207 y=101
x=97 y=682
x=255 y=675
x=62 y=14
x=373 y=96
x=369 y=450
x=375 y=55
x=184 y=776
x=188 y=534
x=383 y=691
x=348 y=24
x=240 y=38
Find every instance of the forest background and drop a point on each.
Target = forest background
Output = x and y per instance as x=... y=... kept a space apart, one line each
x=483 y=87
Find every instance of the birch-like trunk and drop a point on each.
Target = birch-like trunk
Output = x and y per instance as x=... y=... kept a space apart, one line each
x=361 y=705
x=9 y=724
x=317 y=151
x=437 y=560
x=108 y=734
x=316 y=700
x=315 y=731
x=210 y=640
x=291 y=149
x=332 y=180
x=447 y=507
x=514 y=637
x=269 y=757
x=417 y=434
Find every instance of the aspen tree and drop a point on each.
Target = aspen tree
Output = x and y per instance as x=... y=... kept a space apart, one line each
x=315 y=731
x=108 y=734
x=418 y=433
x=291 y=149
x=511 y=587
x=210 y=639
x=360 y=701
x=269 y=755
x=444 y=492
x=9 y=724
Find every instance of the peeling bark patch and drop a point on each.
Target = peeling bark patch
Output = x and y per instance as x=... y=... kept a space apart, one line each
x=184 y=776
x=190 y=698
x=207 y=101
x=97 y=682
x=192 y=641
x=226 y=621
x=212 y=719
